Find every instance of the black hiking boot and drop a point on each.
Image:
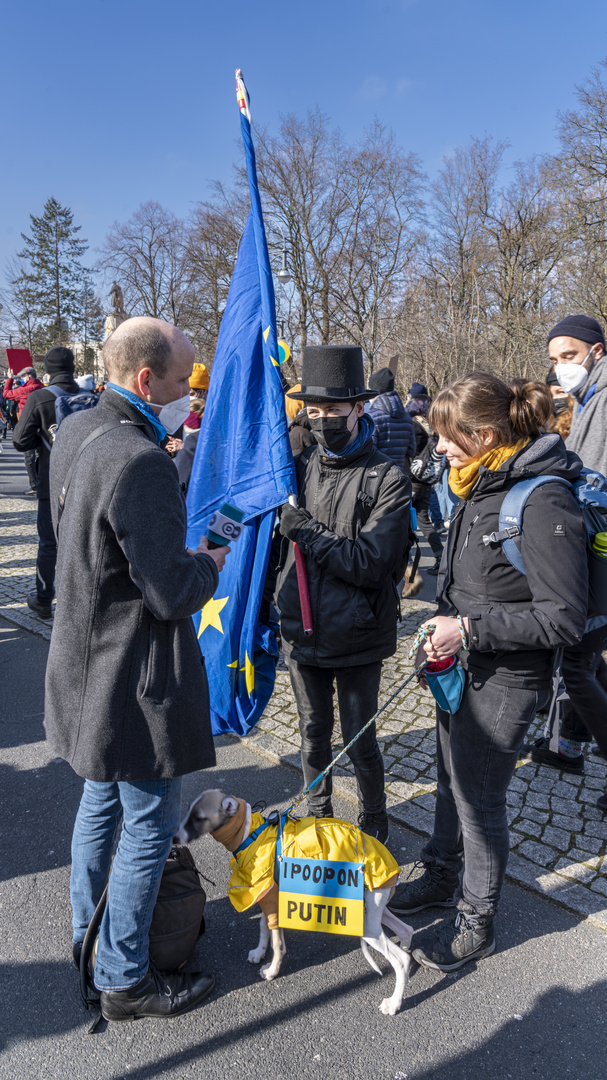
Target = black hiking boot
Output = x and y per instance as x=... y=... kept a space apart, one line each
x=543 y=755
x=375 y=825
x=435 y=888
x=469 y=937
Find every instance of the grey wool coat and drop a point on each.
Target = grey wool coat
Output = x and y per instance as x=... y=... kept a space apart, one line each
x=126 y=688
x=588 y=435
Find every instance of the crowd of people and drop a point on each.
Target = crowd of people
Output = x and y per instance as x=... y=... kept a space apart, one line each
x=126 y=692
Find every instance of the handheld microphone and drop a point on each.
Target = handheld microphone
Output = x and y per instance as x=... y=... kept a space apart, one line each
x=224 y=526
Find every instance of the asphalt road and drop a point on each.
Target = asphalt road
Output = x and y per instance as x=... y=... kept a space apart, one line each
x=534 y=1009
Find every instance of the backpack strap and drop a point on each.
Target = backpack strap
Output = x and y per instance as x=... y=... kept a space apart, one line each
x=57 y=392
x=109 y=426
x=368 y=495
x=511 y=518
x=373 y=479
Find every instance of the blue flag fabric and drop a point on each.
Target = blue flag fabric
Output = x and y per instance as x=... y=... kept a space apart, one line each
x=243 y=458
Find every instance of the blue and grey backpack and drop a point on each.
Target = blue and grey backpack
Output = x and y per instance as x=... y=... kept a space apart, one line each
x=590 y=491
x=65 y=405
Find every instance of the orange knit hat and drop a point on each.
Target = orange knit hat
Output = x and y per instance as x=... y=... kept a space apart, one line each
x=199 y=379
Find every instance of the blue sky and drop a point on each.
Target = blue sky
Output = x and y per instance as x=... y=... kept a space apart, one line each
x=108 y=104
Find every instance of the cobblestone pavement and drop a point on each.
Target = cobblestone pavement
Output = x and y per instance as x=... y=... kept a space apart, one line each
x=558 y=838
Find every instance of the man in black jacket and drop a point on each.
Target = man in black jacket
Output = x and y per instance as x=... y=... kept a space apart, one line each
x=32 y=433
x=352 y=525
x=126 y=690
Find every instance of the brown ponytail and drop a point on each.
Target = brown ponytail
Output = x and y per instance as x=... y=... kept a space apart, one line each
x=480 y=402
x=532 y=406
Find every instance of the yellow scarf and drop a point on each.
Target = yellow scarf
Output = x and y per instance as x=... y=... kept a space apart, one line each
x=461 y=481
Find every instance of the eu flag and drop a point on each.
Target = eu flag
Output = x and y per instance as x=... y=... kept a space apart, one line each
x=243 y=458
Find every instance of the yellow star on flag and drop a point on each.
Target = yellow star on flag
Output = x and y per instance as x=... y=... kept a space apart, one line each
x=249 y=671
x=209 y=616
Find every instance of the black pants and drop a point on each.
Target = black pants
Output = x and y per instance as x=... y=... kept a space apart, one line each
x=47 y=553
x=584 y=675
x=477 y=752
x=421 y=503
x=357 y=693
x=29 y=460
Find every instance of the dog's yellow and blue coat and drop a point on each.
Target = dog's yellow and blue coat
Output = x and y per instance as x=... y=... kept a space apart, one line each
x=252 y=877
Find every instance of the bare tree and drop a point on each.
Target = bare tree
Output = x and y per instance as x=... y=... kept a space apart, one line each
x=210 y=251
x=146 y=253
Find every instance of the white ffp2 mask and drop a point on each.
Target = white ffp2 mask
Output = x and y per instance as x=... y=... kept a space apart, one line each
x=572 y=377
x=174 y=414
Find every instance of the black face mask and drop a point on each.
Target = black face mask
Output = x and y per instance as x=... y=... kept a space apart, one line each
x=559 y=405
x=332 y=432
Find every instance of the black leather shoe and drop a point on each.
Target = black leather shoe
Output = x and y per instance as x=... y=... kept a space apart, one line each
x=543 y=755
x=601 y=804
x=38 y=606
x=434 y=569
x=157 y=995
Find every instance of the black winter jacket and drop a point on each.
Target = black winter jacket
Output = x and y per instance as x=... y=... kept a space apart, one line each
x=300 y=433
x=393 y=434
x=126 y=688
x=352 y=552
x=517 y=621
x=37 y=417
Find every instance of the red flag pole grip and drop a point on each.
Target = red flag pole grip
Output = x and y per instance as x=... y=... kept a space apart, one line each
x=304 y=595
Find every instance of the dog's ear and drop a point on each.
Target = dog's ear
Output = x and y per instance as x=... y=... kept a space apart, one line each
x=230 y=805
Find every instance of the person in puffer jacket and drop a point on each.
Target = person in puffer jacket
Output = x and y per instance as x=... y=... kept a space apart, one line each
x=394 y=434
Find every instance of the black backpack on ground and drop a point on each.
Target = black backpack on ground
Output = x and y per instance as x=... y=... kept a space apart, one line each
x=177 y=924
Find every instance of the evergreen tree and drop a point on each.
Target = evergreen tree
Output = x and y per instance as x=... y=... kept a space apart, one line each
x=53 y=271
x=88 y=325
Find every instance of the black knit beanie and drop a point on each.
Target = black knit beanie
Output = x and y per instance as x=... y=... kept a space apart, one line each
x=581 y=327
x=382 y=381
x=59 y=359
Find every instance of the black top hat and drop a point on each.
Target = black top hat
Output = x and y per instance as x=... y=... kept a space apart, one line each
x=332 y=373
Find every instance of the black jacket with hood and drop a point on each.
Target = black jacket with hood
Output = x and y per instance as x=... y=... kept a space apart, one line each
x=518 y=621
x=37 y=417
x=353 y=547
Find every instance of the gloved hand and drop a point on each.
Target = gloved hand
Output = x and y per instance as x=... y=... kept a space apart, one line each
x=292 y=520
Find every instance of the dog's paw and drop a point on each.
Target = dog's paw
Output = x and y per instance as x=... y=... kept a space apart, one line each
x=267 y=973
x=256 y=956
x=388 y=1007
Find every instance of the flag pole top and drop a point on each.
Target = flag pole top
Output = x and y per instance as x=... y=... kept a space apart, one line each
x=242 y=96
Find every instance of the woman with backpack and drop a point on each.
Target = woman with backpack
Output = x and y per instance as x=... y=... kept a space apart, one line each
x=506 y=626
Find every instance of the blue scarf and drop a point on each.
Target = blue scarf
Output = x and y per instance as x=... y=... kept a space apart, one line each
x=365 y=429
x=587 y=396
x=159 y=429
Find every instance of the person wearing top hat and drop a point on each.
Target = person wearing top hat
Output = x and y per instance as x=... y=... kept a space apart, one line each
x=352 y=525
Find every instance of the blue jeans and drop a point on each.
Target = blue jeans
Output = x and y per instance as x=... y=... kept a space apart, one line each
x=477 y=752
x=446 y=498
x=150 y=818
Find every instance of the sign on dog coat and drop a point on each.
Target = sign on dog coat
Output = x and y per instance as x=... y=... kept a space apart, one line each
x=318 y=894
